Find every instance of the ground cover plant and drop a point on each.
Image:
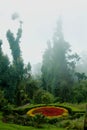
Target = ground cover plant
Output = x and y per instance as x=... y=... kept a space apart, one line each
x=72 y=121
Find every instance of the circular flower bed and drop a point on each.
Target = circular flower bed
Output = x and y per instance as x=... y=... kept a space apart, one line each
x=48 y=111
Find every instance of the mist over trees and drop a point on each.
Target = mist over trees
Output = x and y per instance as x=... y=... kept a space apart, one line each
x=56 y=79
x=58 y=67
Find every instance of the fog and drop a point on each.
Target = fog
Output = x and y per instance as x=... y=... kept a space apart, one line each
x=39 y=22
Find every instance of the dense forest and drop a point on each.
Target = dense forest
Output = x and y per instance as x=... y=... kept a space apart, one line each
x=59 y=79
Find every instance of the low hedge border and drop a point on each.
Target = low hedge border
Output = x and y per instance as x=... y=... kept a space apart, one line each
x=71 y=110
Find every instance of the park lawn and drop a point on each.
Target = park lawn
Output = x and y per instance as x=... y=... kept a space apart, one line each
x=6 y=126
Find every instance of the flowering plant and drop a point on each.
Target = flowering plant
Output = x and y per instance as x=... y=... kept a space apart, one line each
x=48 y=111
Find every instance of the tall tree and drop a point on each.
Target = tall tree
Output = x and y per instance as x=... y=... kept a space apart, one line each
x=47 y=68
x=57 y=60
x=18 y=70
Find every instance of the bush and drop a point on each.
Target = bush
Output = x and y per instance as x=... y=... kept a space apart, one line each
x=44 y=97
x=8 y=109
x=38 y=120
x=47 y=98
x=64 y=124
x=75 y=124
x=3 y=101
x=17 y=119
x=53 y=120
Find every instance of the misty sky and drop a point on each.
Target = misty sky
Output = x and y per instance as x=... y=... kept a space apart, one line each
x=39 y=22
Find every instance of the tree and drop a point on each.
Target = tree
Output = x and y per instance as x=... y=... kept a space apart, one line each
x=47 y=68
x=81 y=76
x=19 y=72
x=58 y=62
x=16 y=53
x=80 y=91
x=14 y=44
x=31 y=87
x=7 y=78
x=4 y=68
x=82 y=64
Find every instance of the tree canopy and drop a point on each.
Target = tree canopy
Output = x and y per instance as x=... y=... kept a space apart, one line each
x=58 y=63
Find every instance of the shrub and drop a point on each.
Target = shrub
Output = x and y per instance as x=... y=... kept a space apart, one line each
x=3 y=101
x=64 y=124
x=53 y=120
x=38 y=120
x=17 y=119
x=42 y=96
x=8 y=109
x=76 y=124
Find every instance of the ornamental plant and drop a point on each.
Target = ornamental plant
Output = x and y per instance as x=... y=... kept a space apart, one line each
x=48 y=111
x=38 y=120
x=43 y=97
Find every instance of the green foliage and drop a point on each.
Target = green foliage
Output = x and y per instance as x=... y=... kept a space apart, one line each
x=42 y=96
x=19 y=74
x=31 y=87
x=58 y=66
x=37 y=96
x=7 y=77
x=14 y=43
x=54 y=120
x=16 y=53
x=4 y=68
x=7 y=109
x=81 y=76
x=38 y=120
x=80 y=92
x=76 y=124
x=64 y=124
x=6 y=126
x=17 y=119
x=3 y=101
x=63 y=91
x=47 y=98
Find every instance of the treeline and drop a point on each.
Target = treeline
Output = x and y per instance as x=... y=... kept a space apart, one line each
x=58 y=82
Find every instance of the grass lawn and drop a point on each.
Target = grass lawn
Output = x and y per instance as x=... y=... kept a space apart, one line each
x=5 y=126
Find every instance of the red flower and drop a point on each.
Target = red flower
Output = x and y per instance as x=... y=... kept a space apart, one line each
x=49 y=111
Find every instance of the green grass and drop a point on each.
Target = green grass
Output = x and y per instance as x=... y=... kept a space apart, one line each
x=5 y=126
x=76 y=108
